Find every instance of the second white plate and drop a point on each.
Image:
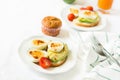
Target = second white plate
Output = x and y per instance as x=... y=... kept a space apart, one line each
x=100 y=26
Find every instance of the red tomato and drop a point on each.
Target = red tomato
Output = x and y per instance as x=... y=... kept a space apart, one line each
x=71 y=17
x=45 y=62
x=82 y=8
x=89 y=8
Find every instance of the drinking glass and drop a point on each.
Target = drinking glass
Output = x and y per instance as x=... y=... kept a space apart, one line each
x=105 y=6
x=69 y=1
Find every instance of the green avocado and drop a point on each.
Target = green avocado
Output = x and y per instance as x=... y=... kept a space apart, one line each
x=87 y=20
x=57 y=56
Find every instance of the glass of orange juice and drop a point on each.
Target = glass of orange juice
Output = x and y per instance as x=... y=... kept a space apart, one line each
x=105 y=5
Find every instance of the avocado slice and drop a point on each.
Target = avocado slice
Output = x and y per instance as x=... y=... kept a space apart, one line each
x=88 y=20
x=57 y=56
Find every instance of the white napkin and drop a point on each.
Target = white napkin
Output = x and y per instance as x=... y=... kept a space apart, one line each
x=104 y=71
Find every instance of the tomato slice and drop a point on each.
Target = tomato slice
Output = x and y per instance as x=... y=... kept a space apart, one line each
x=71 y=16
x=44 y=62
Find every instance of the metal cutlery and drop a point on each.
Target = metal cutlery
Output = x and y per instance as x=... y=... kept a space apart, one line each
x=98 y=47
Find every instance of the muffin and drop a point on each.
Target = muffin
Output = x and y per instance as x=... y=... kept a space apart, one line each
x=51 y=25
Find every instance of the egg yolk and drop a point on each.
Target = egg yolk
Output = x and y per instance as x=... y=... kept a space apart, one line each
x=36 y=54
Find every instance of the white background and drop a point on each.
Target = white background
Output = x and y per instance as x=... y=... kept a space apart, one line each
x=20 y=18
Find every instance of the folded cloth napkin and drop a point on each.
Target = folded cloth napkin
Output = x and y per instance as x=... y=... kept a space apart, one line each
x=105 y=71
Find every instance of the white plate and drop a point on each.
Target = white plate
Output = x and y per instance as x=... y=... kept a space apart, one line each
x=70 y=62
x=100 y=26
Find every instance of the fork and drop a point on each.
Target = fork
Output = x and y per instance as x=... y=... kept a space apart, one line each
x=98 y=47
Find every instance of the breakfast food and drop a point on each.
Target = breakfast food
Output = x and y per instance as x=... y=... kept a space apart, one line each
x=57 y=53
x=36 y=54
x=71 y=17
x=84 y=16
x=74 y=10
x=87 y=18
x=39 y=44
x=53 y=54
x=51 y=25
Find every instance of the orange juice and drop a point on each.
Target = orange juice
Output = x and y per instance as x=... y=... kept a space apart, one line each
x=105 y=4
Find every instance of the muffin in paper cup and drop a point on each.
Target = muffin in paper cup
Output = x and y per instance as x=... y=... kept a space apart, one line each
x=51 y=25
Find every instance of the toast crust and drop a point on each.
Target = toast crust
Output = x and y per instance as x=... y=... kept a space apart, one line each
x=59 y=63
x=83 y=24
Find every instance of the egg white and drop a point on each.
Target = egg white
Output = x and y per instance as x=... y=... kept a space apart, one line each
x=34 y=59
x=40 y=46
x=57 y=48
x=83 y=14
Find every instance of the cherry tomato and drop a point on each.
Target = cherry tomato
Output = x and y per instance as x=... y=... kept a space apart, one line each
x=45 y=62
x=71 y=16
x=82 y=8
x=89 y=8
